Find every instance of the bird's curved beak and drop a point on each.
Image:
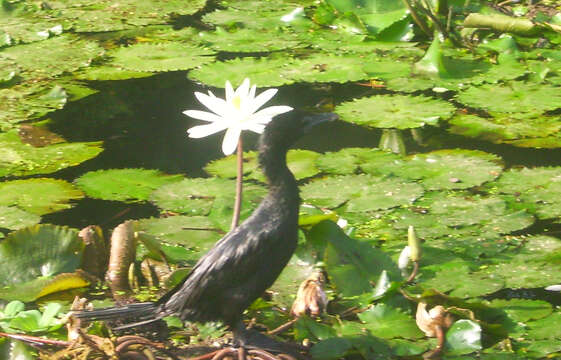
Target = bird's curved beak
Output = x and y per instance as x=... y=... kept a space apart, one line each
x=311 y=121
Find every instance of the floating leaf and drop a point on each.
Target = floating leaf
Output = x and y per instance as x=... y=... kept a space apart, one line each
x=360 y=192
x=349 y=160
x=513 y=97
x=266 y=71
x=38 y=196
x=161 y=57
x=26 y=102
x=444 y=169
x=249 y=40
x=463 y=337
x=545 y=328
x=300 y=162
x=54 y=56
x=196 y=234
x=536 y=189
x=36 y=254
x=13 y=218
x=106 y=15
x=523 y=310
x=531 y=267
x=17 y=158
x=503 y=128
x=128 y=185
x=198 y=196
x=395 y=111
x=387 y=322
x=351 y=264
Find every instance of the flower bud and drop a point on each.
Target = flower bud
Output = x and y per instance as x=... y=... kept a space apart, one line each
x=414 y=245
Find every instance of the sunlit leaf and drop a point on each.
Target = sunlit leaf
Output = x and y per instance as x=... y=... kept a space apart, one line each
x=464 y=337
x=129 y=185
x=17 y=158
x=161 y=57
x=395 y=111
x=38 y=196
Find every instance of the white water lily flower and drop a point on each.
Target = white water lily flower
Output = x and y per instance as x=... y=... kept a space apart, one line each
x=235 y=114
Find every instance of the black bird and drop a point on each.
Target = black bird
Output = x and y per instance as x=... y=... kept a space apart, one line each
x=247 y=260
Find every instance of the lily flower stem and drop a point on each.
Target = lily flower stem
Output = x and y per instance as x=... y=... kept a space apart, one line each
x=239 y=179
x=414 y=272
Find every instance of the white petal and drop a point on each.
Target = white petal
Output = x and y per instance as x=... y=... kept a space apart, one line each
x=229 y=91
x=272 y=111
x=261 y=99
x=553 y=288
x=403 y=261
x=255 y=127
x=243 y=90
x=252 y=92
x=205 y=130
x=231 y=140
x=214 y=104
x=203 y=115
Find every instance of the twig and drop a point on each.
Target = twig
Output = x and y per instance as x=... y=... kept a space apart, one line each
x=239 y=178
x=282 y=328
x=414 y=272
x=35 y=339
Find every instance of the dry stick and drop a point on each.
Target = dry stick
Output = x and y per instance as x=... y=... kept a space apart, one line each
x=282 y=328
x=35 y=339
x=238 y=202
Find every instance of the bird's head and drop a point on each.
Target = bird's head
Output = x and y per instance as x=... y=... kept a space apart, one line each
x=285 y=129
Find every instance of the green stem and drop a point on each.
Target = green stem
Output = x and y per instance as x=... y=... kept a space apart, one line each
x=239 y=178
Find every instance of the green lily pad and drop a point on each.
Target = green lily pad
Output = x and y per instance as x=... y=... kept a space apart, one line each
x=212 y=196
x=326 y=68
x=535 y=189
x=395 y=111
x=360 y=192
x=463 y=337
x=545 y=328
x=101 y=73
x=444 y=169
x=13 y=218
x=388 y=323
x=105 y=15
x=196 y=234
x=457 y=279
x=54 y=56
x=513 y=97
x=17 y=158
x=350 y=160
x=129 y=185
x=523 y=310
x=26 y=102
x=300 y=162
x=351 y=264
x=38 y=196
x=161 y=57
x=507 y=129
x=265 y=71
x=37 y=253
x=531 y=266
x=249 y=40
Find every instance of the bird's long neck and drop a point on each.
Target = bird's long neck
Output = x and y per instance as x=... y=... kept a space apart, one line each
x=282 y=183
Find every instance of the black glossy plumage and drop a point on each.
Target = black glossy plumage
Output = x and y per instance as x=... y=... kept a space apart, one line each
x=247 y=260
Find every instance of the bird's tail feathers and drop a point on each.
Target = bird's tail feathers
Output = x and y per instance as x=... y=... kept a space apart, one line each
x=146 y=312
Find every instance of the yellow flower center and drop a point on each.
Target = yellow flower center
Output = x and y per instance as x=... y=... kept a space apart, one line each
x=237 y=102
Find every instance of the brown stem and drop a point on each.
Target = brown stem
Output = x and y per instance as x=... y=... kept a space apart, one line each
x=416 y=18
x=239 y=178
x=414 y=272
